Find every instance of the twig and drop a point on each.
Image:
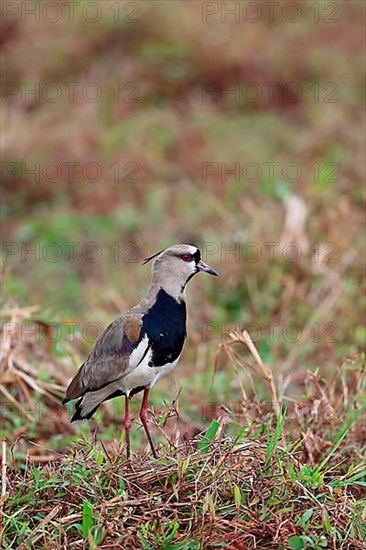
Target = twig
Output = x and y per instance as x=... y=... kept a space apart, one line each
x=16 y=403
x=263 y=371
x=3 y=470
x=42 y=523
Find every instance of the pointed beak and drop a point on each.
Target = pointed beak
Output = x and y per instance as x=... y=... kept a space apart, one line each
x=201 y=266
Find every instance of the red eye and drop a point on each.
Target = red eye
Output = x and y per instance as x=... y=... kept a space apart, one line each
x=186 y=257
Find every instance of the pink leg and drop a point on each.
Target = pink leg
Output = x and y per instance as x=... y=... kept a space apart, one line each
x=127 y=423
x=144 y=420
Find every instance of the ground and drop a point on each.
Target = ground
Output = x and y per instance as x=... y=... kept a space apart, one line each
x=135 y=125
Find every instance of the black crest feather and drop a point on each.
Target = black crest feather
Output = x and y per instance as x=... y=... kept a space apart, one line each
x=152 y=257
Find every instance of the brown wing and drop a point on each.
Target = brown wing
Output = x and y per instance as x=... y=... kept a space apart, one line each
x=109 y=359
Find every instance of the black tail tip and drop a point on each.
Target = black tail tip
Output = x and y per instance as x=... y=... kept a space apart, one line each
x=76 y=416
x=78 y=412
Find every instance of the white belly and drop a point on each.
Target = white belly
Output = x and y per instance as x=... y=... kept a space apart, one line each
x=144 y=375
x=141 y=376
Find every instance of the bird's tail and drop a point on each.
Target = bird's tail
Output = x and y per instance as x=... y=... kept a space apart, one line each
x=83 y=411
x=88 y=403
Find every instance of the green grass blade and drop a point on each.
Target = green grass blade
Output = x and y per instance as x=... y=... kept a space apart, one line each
x=341 y=434
x=272 y=441
x=204 y=444
x=88 y=521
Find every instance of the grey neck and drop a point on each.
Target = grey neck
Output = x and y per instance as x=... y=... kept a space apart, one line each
x=171 y=287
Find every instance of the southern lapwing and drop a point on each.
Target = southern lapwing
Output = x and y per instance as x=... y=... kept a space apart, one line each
x=142 y=345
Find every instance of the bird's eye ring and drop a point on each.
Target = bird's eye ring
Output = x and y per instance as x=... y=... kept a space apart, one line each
x=186 y=257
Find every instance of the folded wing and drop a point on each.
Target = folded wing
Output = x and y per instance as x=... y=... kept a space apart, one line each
x=109 y=360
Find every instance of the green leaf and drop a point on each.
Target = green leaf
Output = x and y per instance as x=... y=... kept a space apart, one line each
x=36 y=475
x=88 y=521
x=272 y=441
x=100 y=458
x=98 y=535
x=306 y=516
x=296 y=543
x=204 y=444
x=326 y=521
x=170 y=537
x=237 y=496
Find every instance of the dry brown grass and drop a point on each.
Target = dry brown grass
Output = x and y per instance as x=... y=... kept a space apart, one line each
x=232 y=495
x=68 y=486
x=249 y=490
x=19 y=372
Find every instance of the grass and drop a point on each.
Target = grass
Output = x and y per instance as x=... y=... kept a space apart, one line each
x=230 y=493
x=262 y=433
x=291 y=476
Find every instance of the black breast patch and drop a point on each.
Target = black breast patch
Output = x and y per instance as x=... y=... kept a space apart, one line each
x=165 y=326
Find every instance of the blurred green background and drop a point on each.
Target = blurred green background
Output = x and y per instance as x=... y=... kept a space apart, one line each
x=136 y=125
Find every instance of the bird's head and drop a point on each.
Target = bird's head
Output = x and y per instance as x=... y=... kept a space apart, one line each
x=173 y=267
